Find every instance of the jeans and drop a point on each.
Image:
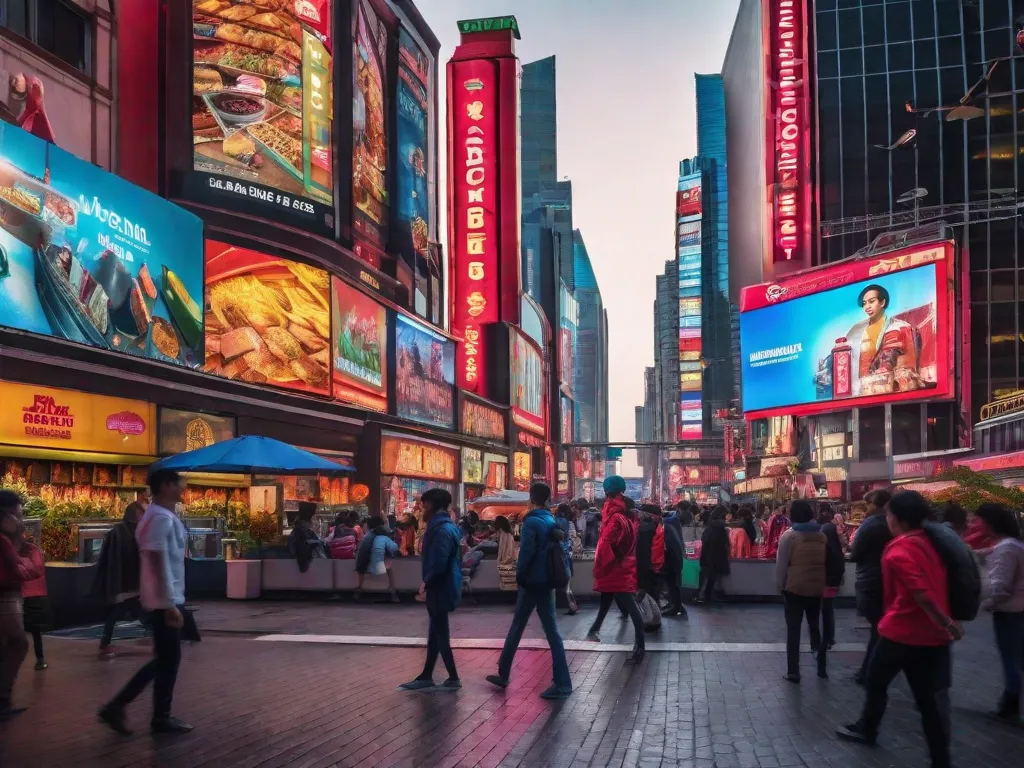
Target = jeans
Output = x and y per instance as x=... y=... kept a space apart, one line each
x=828 y=622
x=543 y=601
x=162 y=670
x=1010 y=642
x=673 y=574
x=798 y=606
x=627 y=604
x=439 y=641
x=872 y=644
x=118 y=612
x=13 y=645
x=928 y=673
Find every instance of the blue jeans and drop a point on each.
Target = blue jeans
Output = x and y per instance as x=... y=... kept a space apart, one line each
x=543 y=600
x=1010 y=641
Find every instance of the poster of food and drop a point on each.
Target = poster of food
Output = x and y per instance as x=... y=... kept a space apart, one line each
x=268 y=320
x=86 y=256
x=413 y=192
x=262 y=103
x=369 y=125
x=425 y=374
x=360 y=347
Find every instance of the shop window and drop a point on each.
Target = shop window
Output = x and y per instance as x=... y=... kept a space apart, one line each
x=1004 y=340
x=872 y=433
x=939 y=427
x=56 y=26
x=906 y=429
x=849 y=29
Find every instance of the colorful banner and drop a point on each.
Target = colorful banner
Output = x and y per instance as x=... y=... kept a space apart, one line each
x=360 y=347
x=521 y=471
x=412 y=458
x=425 y=375
x=262 y=107
x=483 y=421
x=689 y=257
x=86 y=256
x=688 y=197
x=527 y=384
x=43 y=417
x=369 y=126
x=414 y=195
x=268 y=320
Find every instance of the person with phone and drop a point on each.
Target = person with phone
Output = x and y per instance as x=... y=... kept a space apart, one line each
x=162 y=546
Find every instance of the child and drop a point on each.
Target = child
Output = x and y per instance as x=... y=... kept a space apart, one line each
x=38 y=618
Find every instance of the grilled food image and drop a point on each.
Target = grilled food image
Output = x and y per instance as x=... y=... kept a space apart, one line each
x=279 y=142
x=206 y=80
x=238 y=13
x=211 y=7
x=290 y=124
x=165 y=339
x=19 y=198
x=240 y=57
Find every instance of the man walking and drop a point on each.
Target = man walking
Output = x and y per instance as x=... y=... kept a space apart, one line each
x=536 y=592
x=162 y=544
x=675 y=550
x=117 y=571
x=14 y=571
x=866 y=552
x=442 y=578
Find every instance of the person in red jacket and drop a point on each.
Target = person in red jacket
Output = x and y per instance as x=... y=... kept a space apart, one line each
x=37 y=615
x=615 y=576
x=14 y=571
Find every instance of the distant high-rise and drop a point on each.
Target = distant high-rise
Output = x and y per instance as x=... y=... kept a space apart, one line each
x=590 y=380
x=539 y=130
x=666 y=353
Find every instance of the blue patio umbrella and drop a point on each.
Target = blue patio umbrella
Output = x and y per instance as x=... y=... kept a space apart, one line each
x=251 y=455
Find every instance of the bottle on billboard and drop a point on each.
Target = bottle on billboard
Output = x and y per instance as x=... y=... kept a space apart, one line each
x=842 y=365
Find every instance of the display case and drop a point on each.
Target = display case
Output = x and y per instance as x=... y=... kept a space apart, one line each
x=90 y=539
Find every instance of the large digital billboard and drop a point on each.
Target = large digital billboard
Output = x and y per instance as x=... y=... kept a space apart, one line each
x=424 y=375
x=359 y=343
x=262 y=107
x=527 y=377
x=414 y=194
x=369 y=125
x=689 y=255
x=852 y=334
x=268 y=320
x=86 y=256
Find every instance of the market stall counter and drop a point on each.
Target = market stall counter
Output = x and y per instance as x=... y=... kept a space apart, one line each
x=754 y=579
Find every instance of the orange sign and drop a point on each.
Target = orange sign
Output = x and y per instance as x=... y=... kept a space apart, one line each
x=410 y=458
x=66 y=419
x=993 y=463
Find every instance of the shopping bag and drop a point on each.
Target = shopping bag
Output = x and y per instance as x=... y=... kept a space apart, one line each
x=651 y=613
x=691 y=574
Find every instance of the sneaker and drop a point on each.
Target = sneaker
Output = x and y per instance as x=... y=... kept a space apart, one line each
x=169 y=725
x=449 y=685
x=418 y=684
x=593 y=637
x=113 y=716
x=41 y=665
x=789 y=678
x=498 y=680
x=554 y=692
x=855 y=732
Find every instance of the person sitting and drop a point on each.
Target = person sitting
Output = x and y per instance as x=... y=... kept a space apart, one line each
x=343 y=540
x=303 y=543
x=374 y=557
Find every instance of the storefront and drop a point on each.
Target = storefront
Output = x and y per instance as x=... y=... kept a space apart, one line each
x=483 y=471
x=409 y=467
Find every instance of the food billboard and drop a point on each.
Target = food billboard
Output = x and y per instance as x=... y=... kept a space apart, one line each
x=262 y=91
x=527 y=377
x=370 y=44
x=852 y=334
x=424 y=374
x=360 y=347
x=414 y=195
x=86 y=256
x=268 y=320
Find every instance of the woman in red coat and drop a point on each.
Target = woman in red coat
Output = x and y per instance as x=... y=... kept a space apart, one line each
x=615 y=563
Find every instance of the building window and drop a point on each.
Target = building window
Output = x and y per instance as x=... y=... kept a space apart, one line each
x=56 y=26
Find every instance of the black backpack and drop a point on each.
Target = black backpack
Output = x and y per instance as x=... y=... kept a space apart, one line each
x=364 y=551
x=557 y=569
x=962 y=573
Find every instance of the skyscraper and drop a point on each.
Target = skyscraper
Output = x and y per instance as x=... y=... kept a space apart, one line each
x=590 y=383
x=538 y=118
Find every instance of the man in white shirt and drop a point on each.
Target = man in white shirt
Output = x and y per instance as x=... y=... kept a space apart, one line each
x=162 y=543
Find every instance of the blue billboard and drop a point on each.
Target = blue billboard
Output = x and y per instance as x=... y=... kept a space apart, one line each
x=88 y=257
x=415 y=113
x=424 y=375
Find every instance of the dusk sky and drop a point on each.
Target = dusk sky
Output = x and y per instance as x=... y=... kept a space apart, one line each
x=626 y=117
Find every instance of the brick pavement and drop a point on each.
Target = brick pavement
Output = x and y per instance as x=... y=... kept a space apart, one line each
x=282 y=704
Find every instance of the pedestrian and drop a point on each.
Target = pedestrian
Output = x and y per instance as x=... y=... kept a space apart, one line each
x=442 y=580
x=563 y=519
x=615 y=576
x=714 y=554
x=650 y=551
x=162 y=544
x=954 y=516
x=15 y=570
x=342 y=541
x=675 y=551
x=866 y=551
x=915 y=630
x=536 y=593
x=800 y=575
x=747 y=523
x=303 y=543
x=117 y=571
x=592 y=526
x=508 y=555
x=778 y=524
x=467 y=527
x=1006 y=600
x=36 y=605
x=835 y=572
x=374 y=557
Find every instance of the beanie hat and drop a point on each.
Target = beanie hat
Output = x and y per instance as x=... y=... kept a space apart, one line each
x=614 y=484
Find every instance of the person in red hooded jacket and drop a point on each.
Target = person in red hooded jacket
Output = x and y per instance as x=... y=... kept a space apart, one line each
x=615 y=576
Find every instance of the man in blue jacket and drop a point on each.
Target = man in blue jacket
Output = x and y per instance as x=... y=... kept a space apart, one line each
x=442 y=576
x=536 y=592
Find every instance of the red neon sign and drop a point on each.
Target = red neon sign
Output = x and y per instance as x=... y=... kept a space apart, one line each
x=474 y=179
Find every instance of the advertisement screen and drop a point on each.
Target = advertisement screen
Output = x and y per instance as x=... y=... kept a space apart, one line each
x=268 y=320
x=262 y=105
x=688 y=198
x=369 y=125
x=414 y=197
x=86 y=256
x=482 y=421
x=689 y=236
x=689 y=256
x=866 y=332
x=425 y=375
x=527 y=385
x=182 y=431
x=360 y=347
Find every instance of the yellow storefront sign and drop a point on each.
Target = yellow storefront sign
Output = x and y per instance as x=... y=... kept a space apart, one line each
x=43 y=417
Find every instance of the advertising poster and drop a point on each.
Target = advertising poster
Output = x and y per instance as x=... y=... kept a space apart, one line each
x=689 y=261
x=688 y=198
x=883 y=335
x=262 y=107
x=414 y=195
x=567 y=339
x=527 y=385
x=495 y=472
x=567 y=418
x=182 y=431
x=268 y=320
x=425 y=375
x=472 y=466
x=689 y=236
x=369 y=126
x=86 y=256
x=359 y=346
x=521 y=471
x=482 y=421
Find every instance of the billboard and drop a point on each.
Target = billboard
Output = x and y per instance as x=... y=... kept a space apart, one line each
x=86 y=256
x=359 y=345
x=268 y=320
x=262 y=106
x=482 y=420
x=853 y=334
x=688 y=197
x=527 y=376
x=689 y=235
x=370 y=41
x=689 y=256
x=414 y=195
x=424 y=374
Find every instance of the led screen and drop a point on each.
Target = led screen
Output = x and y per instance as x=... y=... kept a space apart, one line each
x=360 y=347
x=424 y=375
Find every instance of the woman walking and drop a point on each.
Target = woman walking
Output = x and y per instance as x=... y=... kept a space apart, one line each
x=38 y=618
x=615 y=564
x=714 y=553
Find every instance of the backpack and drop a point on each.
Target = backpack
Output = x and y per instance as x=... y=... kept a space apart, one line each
x=343 y=548
x=962 y=575
x=556 y=566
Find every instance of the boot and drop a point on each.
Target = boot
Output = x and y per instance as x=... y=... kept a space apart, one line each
x=1009 y=707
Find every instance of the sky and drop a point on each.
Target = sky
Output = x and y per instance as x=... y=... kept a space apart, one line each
x=626 y=117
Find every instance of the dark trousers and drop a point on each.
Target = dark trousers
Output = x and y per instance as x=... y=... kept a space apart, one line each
x=541 y=600
x=872 y=644
x=37 y=643
x=118 y=612
x=709 y=576
x=828 y=622
x=162 y=670
x=673 y=575
x=928 y=673
x=797 y=607
x=439 y=642
x=1010 y=642
x=627 y=604
x=650 y=583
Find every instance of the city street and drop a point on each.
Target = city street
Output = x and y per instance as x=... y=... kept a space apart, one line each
x=258 y=697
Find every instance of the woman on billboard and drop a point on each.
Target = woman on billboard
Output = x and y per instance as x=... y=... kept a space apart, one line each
x=883 y=349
